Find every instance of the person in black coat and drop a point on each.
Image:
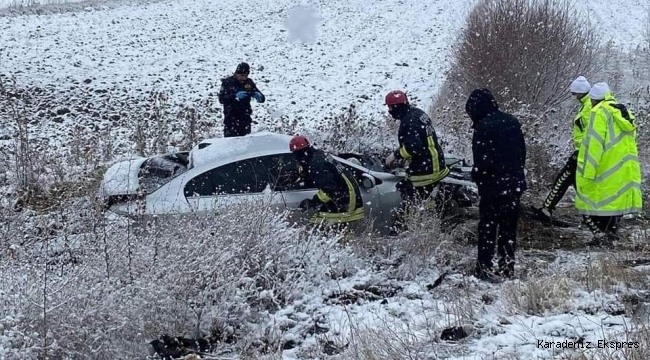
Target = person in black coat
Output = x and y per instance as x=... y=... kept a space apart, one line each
x=499 y=152
x=235 y=94
x=338 y=198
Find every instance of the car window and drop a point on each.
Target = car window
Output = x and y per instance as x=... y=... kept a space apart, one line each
x=158 y=171
x=238 y=177
x=282 y=170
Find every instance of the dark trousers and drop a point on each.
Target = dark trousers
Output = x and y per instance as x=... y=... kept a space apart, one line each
x=497 y=225
x=239 y=125
x=566 y=178
x=604 y=224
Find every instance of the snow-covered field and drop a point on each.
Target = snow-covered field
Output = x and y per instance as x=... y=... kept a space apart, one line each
x=18 y=3
x=312 y=59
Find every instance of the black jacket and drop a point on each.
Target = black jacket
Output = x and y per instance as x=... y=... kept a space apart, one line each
x=498 y=147
x=231 y=106
x=321 y=171
x=419 y=143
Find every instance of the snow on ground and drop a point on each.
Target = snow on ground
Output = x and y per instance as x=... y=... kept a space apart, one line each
x=184 y=47
x=499 y=327
x=310 y=58
x=8 y=3
x=627 y=29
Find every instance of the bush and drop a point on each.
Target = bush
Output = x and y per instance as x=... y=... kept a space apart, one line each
x=527 y=52
x=100 y=288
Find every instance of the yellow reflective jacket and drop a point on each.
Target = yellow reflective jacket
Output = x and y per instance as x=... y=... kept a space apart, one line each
x=608 y=178
x=580 y=121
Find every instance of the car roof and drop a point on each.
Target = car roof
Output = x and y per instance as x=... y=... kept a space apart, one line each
x=214 y=152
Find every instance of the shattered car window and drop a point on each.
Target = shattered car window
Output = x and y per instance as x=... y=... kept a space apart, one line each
x=160 y=170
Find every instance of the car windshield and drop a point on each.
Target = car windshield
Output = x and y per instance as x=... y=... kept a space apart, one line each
x=159 y=170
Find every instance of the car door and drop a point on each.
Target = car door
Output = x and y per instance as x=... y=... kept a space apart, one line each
x=233 y=183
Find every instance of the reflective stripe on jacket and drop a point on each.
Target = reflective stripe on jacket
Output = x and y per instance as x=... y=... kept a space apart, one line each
x=608 y=178
x=418 y=143
x=353 y=212
x=338 y=191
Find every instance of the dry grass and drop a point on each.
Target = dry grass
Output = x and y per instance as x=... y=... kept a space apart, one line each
x=427 y=244
x=607 y=274
x=539 y=295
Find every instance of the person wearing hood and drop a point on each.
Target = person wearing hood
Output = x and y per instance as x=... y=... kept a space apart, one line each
x=567 y=177
x=499 y=156
x=235 y=95
x=419 y=145
x=608 y=176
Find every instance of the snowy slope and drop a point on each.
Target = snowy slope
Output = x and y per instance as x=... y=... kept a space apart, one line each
x=311 y=59
x=185 y=47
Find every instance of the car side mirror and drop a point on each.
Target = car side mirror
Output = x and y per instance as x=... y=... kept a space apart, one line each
x=367 y=181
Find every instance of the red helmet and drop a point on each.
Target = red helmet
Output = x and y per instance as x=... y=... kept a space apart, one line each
x=396 y=97
x=298 y=142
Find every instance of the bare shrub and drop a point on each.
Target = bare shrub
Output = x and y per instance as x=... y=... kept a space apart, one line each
x=427 y=245
x=529 y=48
x=647 y=31
x=151 y=129
x=118 y=282
x=195 y=120
x=29 y=168
x=526 y=52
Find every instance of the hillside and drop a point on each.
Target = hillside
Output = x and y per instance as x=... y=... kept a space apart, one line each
x=78 y=283
x=311 y=62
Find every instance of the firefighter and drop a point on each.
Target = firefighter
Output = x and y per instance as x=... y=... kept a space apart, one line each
x=235 y=94
x=338 y=199
x=418 y=144
x=499 y=155
x=608 y=176
x=567 y=177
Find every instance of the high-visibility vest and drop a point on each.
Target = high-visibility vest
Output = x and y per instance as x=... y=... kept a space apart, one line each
x=608 y=177
x=581 y=121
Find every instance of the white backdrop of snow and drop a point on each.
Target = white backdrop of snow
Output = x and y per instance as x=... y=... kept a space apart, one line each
x=310 y=59
x=317 y=57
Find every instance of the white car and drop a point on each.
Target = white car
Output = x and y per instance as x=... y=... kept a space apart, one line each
x=219 y=172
